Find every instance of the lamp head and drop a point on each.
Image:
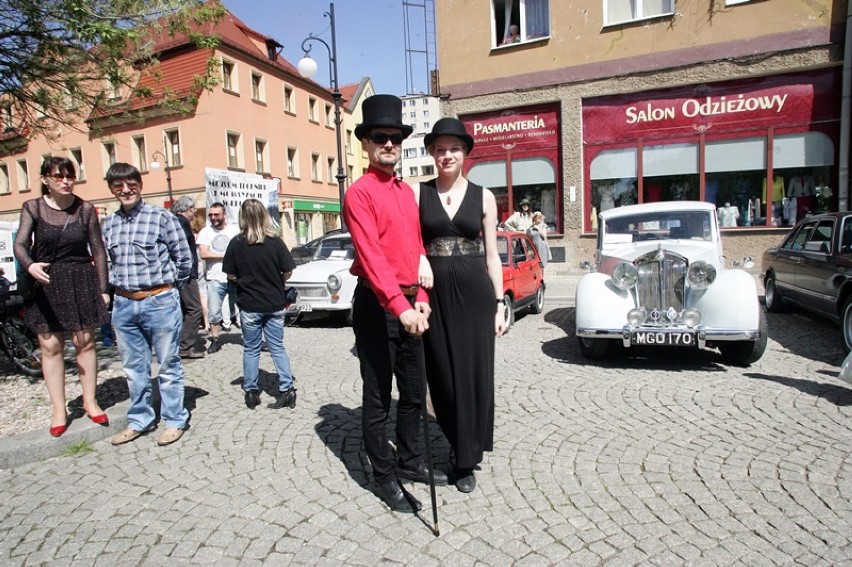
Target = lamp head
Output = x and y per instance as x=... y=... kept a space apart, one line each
x=155 y=165
x=307 y=67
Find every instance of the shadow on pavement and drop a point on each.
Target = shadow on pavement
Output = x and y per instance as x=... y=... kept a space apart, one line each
x=799 y=332
x=340 y=430
x=837 y=395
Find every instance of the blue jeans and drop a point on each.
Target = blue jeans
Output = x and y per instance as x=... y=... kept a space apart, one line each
x=272 y=326
x=154 y=322
x=216 y=293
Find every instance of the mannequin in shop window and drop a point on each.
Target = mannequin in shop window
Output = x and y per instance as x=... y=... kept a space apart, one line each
x=823 y=194
x=728 y=215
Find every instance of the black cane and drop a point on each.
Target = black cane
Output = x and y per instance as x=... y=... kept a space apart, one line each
x=427 y=441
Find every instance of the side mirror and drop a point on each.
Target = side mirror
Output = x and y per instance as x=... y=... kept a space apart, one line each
x=586 y=265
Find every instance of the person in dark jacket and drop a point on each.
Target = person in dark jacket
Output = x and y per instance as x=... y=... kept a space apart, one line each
x=190 y=298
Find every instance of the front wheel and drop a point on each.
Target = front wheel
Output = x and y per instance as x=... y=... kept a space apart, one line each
x=508 y=312
x=846 y=324
x=20 y=350
x=743 y=353
x=594 y=349
x=538 y=305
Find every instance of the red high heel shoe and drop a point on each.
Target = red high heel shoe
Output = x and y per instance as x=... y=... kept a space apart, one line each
x=102 y=419
x=58 y=430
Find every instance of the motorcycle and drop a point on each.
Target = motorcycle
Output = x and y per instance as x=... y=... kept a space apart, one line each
x=15 y=339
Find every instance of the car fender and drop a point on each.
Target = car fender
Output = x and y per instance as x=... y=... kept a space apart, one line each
x=731 y=302
x=601 y=305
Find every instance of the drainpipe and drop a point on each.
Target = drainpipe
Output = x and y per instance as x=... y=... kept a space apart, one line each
x=845 y=108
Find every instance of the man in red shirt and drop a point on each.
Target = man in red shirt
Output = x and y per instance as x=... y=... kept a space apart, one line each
x=390 y=311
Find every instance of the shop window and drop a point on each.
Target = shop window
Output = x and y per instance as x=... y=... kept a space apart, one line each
x=613 y=180
x=535 y=179
x=492 y=174
x=670 y=173
x=735 y=181
x=625 y=11
x=520 y=21
x=802 y=166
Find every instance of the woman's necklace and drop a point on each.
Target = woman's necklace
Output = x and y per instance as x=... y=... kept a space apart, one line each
x=449 y=193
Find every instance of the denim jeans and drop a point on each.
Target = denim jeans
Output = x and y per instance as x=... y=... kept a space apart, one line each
x=272 y=326
x=216 y=293
x=154 y=322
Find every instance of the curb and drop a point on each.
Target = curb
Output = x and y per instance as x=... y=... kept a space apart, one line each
x=39 y=445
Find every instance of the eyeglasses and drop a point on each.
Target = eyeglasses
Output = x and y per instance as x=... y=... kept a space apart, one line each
x=61 y=176
x=117 y=186
x=381 y=138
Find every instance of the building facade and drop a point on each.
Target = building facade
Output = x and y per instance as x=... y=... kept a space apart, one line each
x=593 y=105
x=419 y=111
x=263 y=118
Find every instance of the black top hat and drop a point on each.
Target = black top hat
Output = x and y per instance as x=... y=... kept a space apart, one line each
x=449 y=127
x=382 y=111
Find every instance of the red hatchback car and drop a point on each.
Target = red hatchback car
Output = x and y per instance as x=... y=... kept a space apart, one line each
x=523 y=274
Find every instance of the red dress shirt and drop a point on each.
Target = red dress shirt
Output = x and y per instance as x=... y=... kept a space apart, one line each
x=383 y=218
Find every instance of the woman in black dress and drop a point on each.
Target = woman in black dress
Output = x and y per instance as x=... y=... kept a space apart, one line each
x=59 y=244
x=458 y=220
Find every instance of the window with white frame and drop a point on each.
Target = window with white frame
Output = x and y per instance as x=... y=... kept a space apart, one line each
x=520 y=21
x=412 y=172
x=315 y=168
x=289 y=101
x=140 y=159
x=423 y=151
x=427 y=170
x=410 y=152
x=173 y=147
x=229 y=77
x=292 y=163
x=5 y=188
x=260 y=156
x=257 y=93
x=76 y=157
x=624 y=11
x=23 y=176
x=108 y=154
x=234 y=154
x=332 y=170
x=312 y=109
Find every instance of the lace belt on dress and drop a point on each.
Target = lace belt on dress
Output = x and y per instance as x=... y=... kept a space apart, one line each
x=454 y=246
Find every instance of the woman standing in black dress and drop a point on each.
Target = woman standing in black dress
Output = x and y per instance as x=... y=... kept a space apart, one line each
x=457 y=219
x=59 y=244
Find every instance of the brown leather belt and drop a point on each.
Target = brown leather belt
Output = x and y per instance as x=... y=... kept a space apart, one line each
x=407 y=290
x=143 y=293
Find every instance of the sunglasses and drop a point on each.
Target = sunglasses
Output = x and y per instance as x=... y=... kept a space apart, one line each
x=119 y=185
x=61 y=176
x=381 y=138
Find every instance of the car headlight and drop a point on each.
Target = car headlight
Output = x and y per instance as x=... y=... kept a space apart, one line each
x=700 y=274
x=334 y=283
x=691 y=318
x=635 y=317
x=625 y=276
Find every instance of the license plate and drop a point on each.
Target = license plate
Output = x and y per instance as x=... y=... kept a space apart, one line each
x=665 y=339
x=305 y=307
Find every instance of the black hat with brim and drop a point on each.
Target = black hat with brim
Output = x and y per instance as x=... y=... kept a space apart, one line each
x=449 y=127
x=382 y=111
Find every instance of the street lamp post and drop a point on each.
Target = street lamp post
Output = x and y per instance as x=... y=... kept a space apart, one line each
x=155 y=165
x=308 y=68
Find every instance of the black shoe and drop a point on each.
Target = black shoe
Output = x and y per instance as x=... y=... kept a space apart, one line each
x=191 y=354
x=214 y=346
x=421 y=474
x=465 y=480
x=235 y=322
x=397 y=498
x=252 y=399
x=286 y=399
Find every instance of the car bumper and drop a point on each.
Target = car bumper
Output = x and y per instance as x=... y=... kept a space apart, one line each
x=702 y=335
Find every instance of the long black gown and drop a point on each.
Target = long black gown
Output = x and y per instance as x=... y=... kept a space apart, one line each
x=459 y=344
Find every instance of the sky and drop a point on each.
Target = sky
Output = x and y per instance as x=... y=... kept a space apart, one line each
x=370 y=38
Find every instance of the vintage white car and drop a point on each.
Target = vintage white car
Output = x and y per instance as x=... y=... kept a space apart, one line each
x=324 y=283
x=660 y=279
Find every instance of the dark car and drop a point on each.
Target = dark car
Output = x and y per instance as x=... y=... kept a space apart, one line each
x=523 y=274
x=304 y=252
x=812 y=269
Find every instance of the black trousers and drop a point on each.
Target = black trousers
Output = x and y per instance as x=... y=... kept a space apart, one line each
x=385 y=349
x=190 y=304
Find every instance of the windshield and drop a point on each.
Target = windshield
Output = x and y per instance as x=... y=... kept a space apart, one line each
x=341 y=248
x=659 y=225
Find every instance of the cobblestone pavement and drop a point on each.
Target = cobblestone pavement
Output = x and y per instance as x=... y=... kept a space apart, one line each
x=667 y=458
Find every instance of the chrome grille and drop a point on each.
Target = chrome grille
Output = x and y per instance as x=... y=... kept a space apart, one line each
x=661 y=280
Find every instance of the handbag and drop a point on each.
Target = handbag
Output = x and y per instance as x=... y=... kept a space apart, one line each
x=28 y=287
x=290 y=296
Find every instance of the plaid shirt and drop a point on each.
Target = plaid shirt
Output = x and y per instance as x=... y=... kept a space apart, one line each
x=146 y=248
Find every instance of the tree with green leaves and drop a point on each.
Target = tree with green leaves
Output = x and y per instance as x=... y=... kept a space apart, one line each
x=62 y=61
